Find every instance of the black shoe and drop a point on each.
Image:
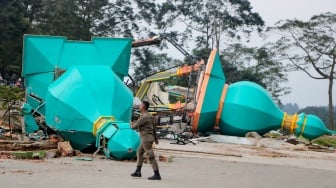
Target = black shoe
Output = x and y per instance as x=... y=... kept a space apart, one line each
x=156 y=176
x=136 y=174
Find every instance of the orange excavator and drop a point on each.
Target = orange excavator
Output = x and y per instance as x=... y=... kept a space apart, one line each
x=150 y=88
x=168 y=114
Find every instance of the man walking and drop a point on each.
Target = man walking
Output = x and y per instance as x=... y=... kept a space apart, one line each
x=147 y=130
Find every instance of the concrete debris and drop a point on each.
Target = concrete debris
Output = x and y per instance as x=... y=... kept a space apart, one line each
x=84 y=158
x=298 y=147
x=39 y=135
x=65 y=148
x=53 y=153
x=166 y=158
x=274 y=134
x=272 y=143
x=292 y=140
x=202 y=139
x=252 y=135
x=233 y=139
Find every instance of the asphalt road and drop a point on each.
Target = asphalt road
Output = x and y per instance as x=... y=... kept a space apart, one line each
x=182 y=172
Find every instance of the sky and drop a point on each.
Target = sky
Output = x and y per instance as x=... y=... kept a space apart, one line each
x=305 y=91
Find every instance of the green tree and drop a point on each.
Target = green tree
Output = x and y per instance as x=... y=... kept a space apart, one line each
x=311 y=47
x=259 y=64
x=33 y=9
x=82 y=19
x=10 y=98
x=252 y=64
x=121 y=20
x=211 y=21
x=13 y=26
x=161 y=17
x=148 y=63
x=76 y=19
x=320 y=111
x=204 y=22
x=290 y=108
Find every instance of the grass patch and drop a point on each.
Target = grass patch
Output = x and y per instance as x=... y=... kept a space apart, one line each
x=329 y=141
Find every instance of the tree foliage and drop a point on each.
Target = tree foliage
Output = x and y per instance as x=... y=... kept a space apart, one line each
x=268 y=71
x=148 y=63
x=212 y=20
x=320 y=111
x=311 y=47
x=81 y=19
x=13 y=26
x=208 y=24
x=75 y=19
x=290 y=108
x=10 y=98
x=204 y=23
x=255 y=64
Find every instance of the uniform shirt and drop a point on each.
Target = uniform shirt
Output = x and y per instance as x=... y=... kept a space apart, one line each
x=145 y=125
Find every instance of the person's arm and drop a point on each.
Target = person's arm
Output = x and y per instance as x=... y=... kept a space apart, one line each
x=141 y=121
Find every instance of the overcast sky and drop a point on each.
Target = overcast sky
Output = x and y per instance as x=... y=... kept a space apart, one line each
x=305 y=91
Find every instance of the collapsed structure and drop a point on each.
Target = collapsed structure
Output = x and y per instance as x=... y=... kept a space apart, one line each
x=77 y=88
x=245 y=106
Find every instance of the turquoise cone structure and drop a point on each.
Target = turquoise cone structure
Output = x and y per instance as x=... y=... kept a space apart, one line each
x=209 y=97
x=78 y=88
x=246 y=106
x=249 y=107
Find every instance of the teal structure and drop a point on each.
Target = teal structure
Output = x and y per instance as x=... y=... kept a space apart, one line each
x=252 y=102
x=208 y=100
x=78 y=88
x=246 y=106
x=260 y=112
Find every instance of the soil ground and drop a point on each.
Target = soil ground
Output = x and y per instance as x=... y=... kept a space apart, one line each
x=202 y=165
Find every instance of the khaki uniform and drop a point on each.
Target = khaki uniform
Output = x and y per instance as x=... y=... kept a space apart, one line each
x=147 y=130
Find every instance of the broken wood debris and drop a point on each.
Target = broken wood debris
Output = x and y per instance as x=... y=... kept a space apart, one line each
x=163 y=158
x=200 y=152
x=15 y=145
x=319 y=148
x=65 y=148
